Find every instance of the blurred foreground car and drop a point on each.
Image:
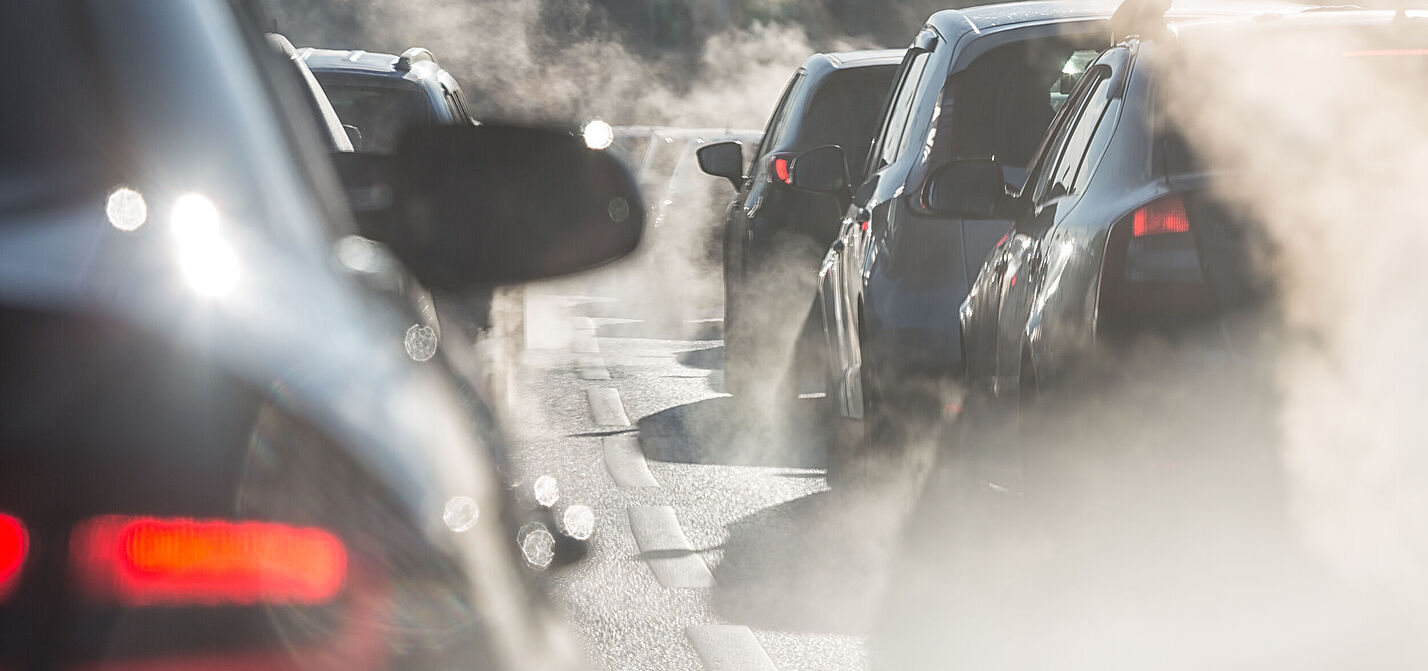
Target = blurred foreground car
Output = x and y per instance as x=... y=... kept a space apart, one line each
x=216 y=454
x=774 y=235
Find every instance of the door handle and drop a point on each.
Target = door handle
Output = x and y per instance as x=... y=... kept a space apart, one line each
x=838 y=245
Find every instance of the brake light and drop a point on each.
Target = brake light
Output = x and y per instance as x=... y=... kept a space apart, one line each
x=14 y=546
x=144 y=561
x=781 y=170
x=1166 y=215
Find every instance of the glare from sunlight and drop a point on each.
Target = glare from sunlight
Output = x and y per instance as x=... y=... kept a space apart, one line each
x=420 y=342
x=579 y=522
x=546 y=490
x=207 y=261
x=599 y=135
x=126 y=209
x=461 y=513
x=537 y=544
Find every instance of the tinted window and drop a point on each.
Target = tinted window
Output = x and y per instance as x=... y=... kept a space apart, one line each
x=50 y=128
x=1003 y=103
x=1082 y=129
x=844 y=111
x=381 y=113
x=779 y=120
x=1044 y=162
x=891 y=139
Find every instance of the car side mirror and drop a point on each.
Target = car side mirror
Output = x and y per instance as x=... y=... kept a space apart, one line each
x=968 y=188
x=723 y=159
x=466 y=206
x=820 y=169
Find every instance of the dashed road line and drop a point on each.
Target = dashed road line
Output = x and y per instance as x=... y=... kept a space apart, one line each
x=626 y=462
x=592 y=368
x=606 y=408
x=728 y=647
x=667 y=550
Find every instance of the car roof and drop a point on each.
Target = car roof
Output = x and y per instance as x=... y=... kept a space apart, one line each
x=954 y=22
x=361 y=62
x=864 y=58
x=352 y=60
x=1327 y=17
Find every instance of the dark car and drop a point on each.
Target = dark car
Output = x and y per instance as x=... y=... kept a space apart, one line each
x=382 y=94
x=976 y=83
x=774 y=235
x=215 y=454
x=984 y=81
x=1122 y=235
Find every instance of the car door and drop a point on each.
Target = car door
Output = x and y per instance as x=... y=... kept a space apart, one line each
x=1035 y=243
x=840 y=275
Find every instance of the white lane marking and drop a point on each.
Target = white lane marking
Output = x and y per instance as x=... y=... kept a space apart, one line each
x=626 y=462
x=592 y=368
x=667 y=550
x=606 y=408
x=728 y=647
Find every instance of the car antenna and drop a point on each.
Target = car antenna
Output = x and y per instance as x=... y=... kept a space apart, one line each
x=1140 y=18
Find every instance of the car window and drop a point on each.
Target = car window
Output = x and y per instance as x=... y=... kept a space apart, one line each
x=1079 y=137
x=779 y=120
x=1002 y=104
x=380 y=113
x=1105 y=126
x=43 y=154
x=891 y=140
x=1044 y=164
x=844 y=111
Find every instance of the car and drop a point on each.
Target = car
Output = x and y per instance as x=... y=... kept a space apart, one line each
x=383 y=94
x=421 y=337
x=1123 y=236
x=775 y=235
x=1153 y=438
x=378 y=96
x=215 y=453
x=979 y=82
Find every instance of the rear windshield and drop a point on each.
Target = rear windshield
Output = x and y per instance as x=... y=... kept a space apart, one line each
x=844 y=111
x=380 y=113
x=50 y=125
x=1003 y=103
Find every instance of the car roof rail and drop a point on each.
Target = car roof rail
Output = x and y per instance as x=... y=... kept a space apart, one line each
x=412 y=56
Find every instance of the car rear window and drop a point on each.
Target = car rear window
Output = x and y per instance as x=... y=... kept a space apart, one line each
x=380 y=113
x=1003 y=103
x=844 y=111
x=51 y=129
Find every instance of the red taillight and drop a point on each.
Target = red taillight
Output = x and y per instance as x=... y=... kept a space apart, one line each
x=781 y=169
x=14 y=546
x=143 y=561
x=1166 y=215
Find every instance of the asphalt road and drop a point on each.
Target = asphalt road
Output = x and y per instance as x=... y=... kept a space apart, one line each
x=718 y=543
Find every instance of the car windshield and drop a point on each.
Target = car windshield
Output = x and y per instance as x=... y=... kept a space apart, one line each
x=381 y=112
